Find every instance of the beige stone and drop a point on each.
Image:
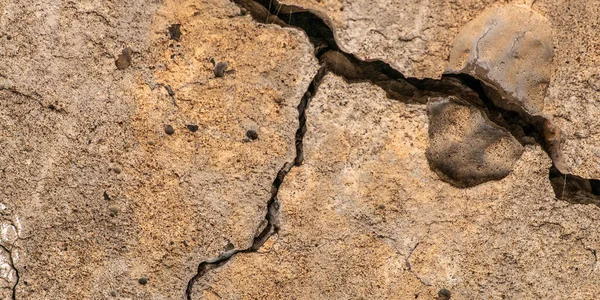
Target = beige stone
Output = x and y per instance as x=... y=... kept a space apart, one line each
x=510 y=49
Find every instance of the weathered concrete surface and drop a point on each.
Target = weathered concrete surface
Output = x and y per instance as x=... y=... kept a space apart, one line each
x=573 y=94
x=94 y=194
x=510 y=49
x=69 y=118
x=365 y=217
x=414 y=36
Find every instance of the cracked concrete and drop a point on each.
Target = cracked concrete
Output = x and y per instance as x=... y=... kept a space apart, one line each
x=97 y=194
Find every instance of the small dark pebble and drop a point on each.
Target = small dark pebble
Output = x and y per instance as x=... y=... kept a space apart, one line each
x=124 y=60
x=192 y=127
x=220 y=69
x=113 y=293
x=8 y=37
x=117 y=170
x=169 y=129
x=175 y=31
x=252 y=134
x=444 y=294
x=106 y=197
x=143 y=280
x=229 y=247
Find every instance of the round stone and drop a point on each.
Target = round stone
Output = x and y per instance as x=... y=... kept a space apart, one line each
x=169 y=129
x=252 y=134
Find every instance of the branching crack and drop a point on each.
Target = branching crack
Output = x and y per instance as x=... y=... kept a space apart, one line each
x=525 y=128
x=272 y=215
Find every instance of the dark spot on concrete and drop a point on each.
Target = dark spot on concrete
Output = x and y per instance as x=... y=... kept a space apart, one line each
x=170 y=90
x=113 y=293
x=106 y=197
x=444 y=294
x=175 y=31
x=124 y=59
x=220 y=69
x=252 y=134
x=143 y=280
x=229 y=247
x=192 y=127
x=169 y=129
x=117 y=170
x=8 y=37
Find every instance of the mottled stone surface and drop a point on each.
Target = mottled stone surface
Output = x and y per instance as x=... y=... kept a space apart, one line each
x=366 y=217
x=101 y=193
x=510 y=49
x=465 y=147
x=118 y=176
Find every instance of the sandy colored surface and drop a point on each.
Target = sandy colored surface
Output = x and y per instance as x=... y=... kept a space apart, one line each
x=126 y=160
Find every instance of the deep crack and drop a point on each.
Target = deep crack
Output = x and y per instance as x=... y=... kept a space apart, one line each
x=272 y=213
x=526 y=128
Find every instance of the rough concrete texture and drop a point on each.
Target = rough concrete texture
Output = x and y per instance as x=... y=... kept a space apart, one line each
x=465 y=147
x=414 y=36
x=126 y=158
x=102 y=195
x=509 y=48
x=365 y=217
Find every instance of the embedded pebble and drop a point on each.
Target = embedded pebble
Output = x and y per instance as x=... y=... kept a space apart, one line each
x=124 y=59
x=252 y=134
x=220 y=69
x=192 y=127
x=169 y=129
x=143 y=280
x=466 y=148
x=510 y=49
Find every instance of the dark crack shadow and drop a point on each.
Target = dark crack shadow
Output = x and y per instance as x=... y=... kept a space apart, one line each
x=272 y=214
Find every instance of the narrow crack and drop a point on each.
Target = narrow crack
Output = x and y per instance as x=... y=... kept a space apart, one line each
x=12 y=265
x=272 y=214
